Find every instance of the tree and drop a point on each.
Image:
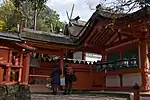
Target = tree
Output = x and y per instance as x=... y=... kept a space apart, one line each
x=7 y=13
x=2 y=25
x=121 y=6
x=48 y=20
x=36 y=5
x=51 y=19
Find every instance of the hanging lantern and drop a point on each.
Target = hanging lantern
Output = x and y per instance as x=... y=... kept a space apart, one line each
x=98 y=66
x=118 y=64
x=133 y=62
x=104 y=67
x=110 y=67
x=125 y=63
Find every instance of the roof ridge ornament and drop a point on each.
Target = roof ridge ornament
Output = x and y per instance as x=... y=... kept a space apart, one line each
x=99 y=7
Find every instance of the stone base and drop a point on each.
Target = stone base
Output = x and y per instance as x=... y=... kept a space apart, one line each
x=15 y=92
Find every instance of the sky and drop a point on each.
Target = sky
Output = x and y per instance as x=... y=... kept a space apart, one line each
x=81 y=8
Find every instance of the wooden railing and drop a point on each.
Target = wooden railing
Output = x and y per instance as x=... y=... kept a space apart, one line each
x=107 y=66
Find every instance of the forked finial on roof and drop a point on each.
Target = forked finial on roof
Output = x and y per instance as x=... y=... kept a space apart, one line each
x=70 y=17
x=71 y=14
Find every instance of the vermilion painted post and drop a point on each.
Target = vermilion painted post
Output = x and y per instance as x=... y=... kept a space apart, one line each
x=20 y=68
x=136 y=92
x=144 y=64
x=8 y=71
x=104 y=59
x=26 y=66
x=136 y=95
x=83 y=55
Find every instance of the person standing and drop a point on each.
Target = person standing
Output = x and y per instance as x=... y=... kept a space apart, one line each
x=55 y=79
x=68 y=71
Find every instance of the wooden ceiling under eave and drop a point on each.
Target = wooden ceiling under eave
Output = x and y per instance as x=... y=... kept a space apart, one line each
x=103 y=37
x=104 y=34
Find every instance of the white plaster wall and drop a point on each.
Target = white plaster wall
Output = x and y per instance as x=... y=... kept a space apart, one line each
x=131 y=79
x=77 y=55
x=144 y=98
x=113 y=81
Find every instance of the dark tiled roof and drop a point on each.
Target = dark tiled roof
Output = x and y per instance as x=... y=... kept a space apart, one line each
x=46 y=38
x=74 y=28
x=127 y=16
x=10 y=36
x=78 y=22
x=35 y=36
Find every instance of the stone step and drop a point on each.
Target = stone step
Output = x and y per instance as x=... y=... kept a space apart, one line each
x=74 y=97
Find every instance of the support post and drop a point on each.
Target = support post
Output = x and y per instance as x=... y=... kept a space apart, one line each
x=25 y=70
x=83 y=55
x=20 y=69
x=8 y=71
x=144 y=62
x=104 y=59
x=136 y=92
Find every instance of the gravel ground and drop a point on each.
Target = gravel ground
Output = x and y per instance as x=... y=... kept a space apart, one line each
x=73 y=97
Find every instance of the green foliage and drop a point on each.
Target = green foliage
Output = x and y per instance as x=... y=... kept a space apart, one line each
x=7 y=13
x=38 y=4
x=23 y=10
x=2 y=25
x=51 y=20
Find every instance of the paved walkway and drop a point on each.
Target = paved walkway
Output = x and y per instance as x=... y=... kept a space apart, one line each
x=73 y=97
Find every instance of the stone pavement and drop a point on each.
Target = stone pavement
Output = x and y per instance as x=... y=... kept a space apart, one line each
x=73 y=97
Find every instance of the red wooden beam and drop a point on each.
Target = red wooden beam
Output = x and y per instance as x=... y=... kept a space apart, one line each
x=92 y=48
x=120 y=42
x=25 y=46
x=95 y=46
x=50 y=51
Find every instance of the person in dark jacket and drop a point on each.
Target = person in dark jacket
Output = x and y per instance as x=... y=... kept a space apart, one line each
x=68 y=80
x=55 y=79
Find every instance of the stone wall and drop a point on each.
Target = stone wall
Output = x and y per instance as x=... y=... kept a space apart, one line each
x=14 y=92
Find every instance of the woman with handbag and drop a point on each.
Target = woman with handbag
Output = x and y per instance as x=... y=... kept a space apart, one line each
x=69 y=78
x=55 y=79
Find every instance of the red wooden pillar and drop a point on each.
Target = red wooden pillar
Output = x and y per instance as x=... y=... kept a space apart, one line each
x=120 y=75
x=20 y=69
x=62 y=63
x=104 y=59
x=136 y=95
x=83 y=56
x=144 y=64
x=121 y=56
x=25 y=70
x=8 y=71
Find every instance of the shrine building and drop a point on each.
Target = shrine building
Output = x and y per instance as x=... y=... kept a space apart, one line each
x=122 y=40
